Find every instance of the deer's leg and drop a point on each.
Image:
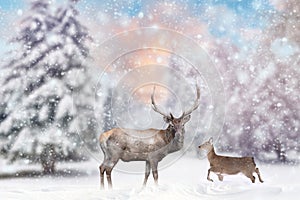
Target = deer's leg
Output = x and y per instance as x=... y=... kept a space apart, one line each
x=108 y=177
x=147 y=173
x=252 y=179
x=258 y=174
x=250 y=175
x=154 y=171
x=208 y=178
x=220 y=176
x=102 y=170
x=108 y=170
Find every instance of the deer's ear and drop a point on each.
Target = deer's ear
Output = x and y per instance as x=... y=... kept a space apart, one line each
x=167 y=119
x=210 y=140
x=186 y=118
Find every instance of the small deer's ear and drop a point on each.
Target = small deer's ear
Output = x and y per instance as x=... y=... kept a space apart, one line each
x=210 y=140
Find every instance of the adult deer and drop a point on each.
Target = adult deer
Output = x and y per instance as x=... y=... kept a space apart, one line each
x=150 y=145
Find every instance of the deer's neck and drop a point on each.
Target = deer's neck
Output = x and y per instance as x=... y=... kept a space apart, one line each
x=170 y=133
x=211 y=155
x=177 y=138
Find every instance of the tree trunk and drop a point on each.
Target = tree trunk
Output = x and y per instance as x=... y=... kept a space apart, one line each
x=281 y=156
x=280 y=152
x=48 y=159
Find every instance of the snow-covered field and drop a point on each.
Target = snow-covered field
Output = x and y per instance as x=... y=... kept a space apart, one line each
x=185 y=179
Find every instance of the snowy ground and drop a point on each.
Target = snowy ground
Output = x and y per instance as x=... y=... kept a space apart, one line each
x=185 y=179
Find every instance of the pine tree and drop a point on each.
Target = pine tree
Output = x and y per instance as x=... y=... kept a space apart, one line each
x=41 y=114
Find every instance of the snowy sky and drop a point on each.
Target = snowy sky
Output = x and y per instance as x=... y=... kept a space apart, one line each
x=223 y=17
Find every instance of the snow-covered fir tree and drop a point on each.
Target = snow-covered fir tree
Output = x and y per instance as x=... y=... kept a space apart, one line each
x=46 y=93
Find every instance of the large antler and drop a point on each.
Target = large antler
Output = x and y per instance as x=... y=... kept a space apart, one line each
x=154 y=107
x=196 y=103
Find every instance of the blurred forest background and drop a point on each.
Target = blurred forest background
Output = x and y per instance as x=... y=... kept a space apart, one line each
x=51 y=53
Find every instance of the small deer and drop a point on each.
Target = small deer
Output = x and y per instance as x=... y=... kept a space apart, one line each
x=229 y=165
x=150 y=145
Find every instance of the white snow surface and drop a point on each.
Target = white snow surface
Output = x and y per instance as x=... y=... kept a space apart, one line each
x=185 y=179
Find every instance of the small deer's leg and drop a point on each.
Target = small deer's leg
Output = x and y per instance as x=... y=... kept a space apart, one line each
x=252 y=179
x=154 y=171
x=258 y=174
x=220 y=176
x=147 y=173
x=102 y=170
x=250 y=175
x=208 y=178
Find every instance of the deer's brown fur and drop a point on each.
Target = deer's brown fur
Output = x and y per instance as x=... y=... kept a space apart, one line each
x=229 y=165
x=150 y=145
